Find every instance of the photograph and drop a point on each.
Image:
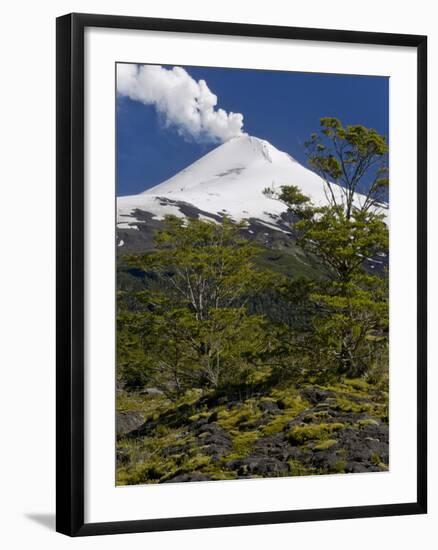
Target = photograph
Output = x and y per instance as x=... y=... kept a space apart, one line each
x=224 y=339
x=252 y=216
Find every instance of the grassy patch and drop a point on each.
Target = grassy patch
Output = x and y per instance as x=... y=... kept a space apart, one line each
x=338 y=467
x=276 y=425
x=242 y=444
x=232 y=418
x=344 y=404
x=298 y=469
x=300 y=435
x=357 y=384
x=148 y=464
x=292 y=403
x=324 y=445
x=375 y=459
x=289 y=398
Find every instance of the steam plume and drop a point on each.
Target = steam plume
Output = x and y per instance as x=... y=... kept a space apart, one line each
x=184 y=103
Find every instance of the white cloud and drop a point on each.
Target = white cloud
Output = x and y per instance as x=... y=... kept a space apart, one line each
x=188 y=105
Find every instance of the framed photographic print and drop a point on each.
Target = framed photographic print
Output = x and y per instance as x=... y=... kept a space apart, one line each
x=241 y=274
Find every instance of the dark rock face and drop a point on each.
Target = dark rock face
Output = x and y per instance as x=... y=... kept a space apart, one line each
x=140 y=236
x=194 y=426
x=269 y=406
x=175 y=450
x=140 y=239
x=326 y=460
x=213 y=440
x=274 y=446
x=258 y=466
x=366 y=445
x=315 y=395
x=127 y=422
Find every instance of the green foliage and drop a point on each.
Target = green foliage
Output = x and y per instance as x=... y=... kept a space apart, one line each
x=343 y=242
x=349 y=323
x=194 y=329
x=298 y=202
x=350 y=328
x=346 y=155
x=204 y=266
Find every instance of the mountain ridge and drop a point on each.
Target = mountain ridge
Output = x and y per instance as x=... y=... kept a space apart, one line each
x=230 y=180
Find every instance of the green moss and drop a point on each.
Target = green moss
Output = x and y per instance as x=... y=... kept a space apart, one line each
x=218 y=474
x=236 y=416
x=150 y=470
x=153 y=407
x=242 y=445
x=289 y=398
x=344 y=404
x=299 y=435
x=316 y=416
x=325 y=444
x=153 y=467
x=347 y=389
x=276 y=425
x=197 y=416
x=260 y=375
x=357 y=384
x=338 y=467
x=359 y=396
x=146 y=404
x=145 y=462
x=367 y=422
x=381 y=411
x=293 y=405
x=170 y=449
x=298 y=469
x=196 y=463
x=375 y=459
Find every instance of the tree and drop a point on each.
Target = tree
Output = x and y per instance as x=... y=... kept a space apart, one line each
x=355 y=159
x=193 y=328
x=351 y=304
x=351 y=326
x=343 y=243
x=205 y=265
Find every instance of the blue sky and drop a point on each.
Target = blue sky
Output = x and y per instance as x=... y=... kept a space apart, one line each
x=282 y=107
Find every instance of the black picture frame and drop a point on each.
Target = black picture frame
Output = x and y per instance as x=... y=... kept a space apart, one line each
x=70 y=273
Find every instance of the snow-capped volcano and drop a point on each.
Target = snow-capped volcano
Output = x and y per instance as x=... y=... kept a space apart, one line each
x=228 y=180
